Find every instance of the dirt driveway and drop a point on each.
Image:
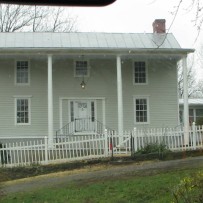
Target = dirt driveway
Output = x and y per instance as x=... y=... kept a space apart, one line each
x=99 y=172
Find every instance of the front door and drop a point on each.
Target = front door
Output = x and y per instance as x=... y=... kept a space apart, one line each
x=83 y=115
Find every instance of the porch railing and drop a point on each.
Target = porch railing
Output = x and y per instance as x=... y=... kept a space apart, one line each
x=81 y=125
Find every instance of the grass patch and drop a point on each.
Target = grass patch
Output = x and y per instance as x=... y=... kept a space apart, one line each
x=7 y=174
x=154 y=188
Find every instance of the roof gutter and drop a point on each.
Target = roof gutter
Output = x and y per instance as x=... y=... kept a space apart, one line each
x=94 y=51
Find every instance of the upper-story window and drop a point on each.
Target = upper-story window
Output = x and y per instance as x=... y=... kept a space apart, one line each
x=140 y=72
x=81 y=69
x=22 y=73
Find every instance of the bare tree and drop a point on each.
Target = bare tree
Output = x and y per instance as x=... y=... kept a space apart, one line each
x=195 y=6
x=15 y=18
x=195 y=89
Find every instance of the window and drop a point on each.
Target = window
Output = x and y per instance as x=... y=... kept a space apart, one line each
x=181 y=116
x=22 y=72
x=81 y=69
x=191 y=116
x=22 y=110
x=92 y=111
x=140 y=72
x=199 y=114
x=71 y=111
x=141 y=110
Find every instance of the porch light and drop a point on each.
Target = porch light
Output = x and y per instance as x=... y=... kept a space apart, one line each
x=82 y=84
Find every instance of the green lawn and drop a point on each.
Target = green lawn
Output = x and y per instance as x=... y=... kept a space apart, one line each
x=155 y=188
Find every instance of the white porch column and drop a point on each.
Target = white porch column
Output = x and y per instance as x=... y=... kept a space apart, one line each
x=185 y=98
x=120 y=97
x=104 y=113
x=50 y=102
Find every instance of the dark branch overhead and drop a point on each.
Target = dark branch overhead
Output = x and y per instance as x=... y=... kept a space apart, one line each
x=60 y=2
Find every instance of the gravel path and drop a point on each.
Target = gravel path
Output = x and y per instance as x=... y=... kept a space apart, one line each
x=97 y=173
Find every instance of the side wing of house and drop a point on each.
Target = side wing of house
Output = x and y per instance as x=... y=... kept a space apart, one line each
x=195 y=110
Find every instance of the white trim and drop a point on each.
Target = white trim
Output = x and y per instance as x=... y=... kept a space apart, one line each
x=194 y=114
x=104 y=112
x=60 y=113
x=50 y=99
x=185 y=97
x=119 y=95
x=148 y=109
x=22 y=96
x=147 y=73
x=88 y=68
x=15 y=73
x=82 y=98
x=15 y=110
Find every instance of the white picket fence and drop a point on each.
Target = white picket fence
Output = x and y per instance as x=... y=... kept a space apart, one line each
x=41 y=151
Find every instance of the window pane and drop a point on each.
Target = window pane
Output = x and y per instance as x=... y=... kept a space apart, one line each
x=141 y=110
x=199 y=112
x=22 y=109
x=140 y=72
x=22 y=72
x=72 y=111
x=81 y=68
x=92 y=112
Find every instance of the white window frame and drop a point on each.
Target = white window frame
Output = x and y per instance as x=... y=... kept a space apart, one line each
x=16 y=98
x=146 y=68
x=148 y=110
x=25 y=83
x=81 y=75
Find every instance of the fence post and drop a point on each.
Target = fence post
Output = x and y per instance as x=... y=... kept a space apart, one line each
x=194 y=135
x=135 y=140
x=46 y=149
x=106 y=147
x=132 y=146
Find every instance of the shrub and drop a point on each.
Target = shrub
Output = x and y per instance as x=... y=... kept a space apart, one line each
x=189 y=190
x=153 y=148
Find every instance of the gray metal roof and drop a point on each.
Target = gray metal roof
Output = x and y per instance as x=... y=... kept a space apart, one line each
x=194 y=101
x=87 y=40
x=97 y=41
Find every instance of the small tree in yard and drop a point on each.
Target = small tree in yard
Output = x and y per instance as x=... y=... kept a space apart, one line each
x=189 y=190
x=16 y=18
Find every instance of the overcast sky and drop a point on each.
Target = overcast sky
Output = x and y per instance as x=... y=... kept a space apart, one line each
x=137 y=16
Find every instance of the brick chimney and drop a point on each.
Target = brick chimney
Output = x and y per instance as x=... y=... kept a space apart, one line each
x=159 y=26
